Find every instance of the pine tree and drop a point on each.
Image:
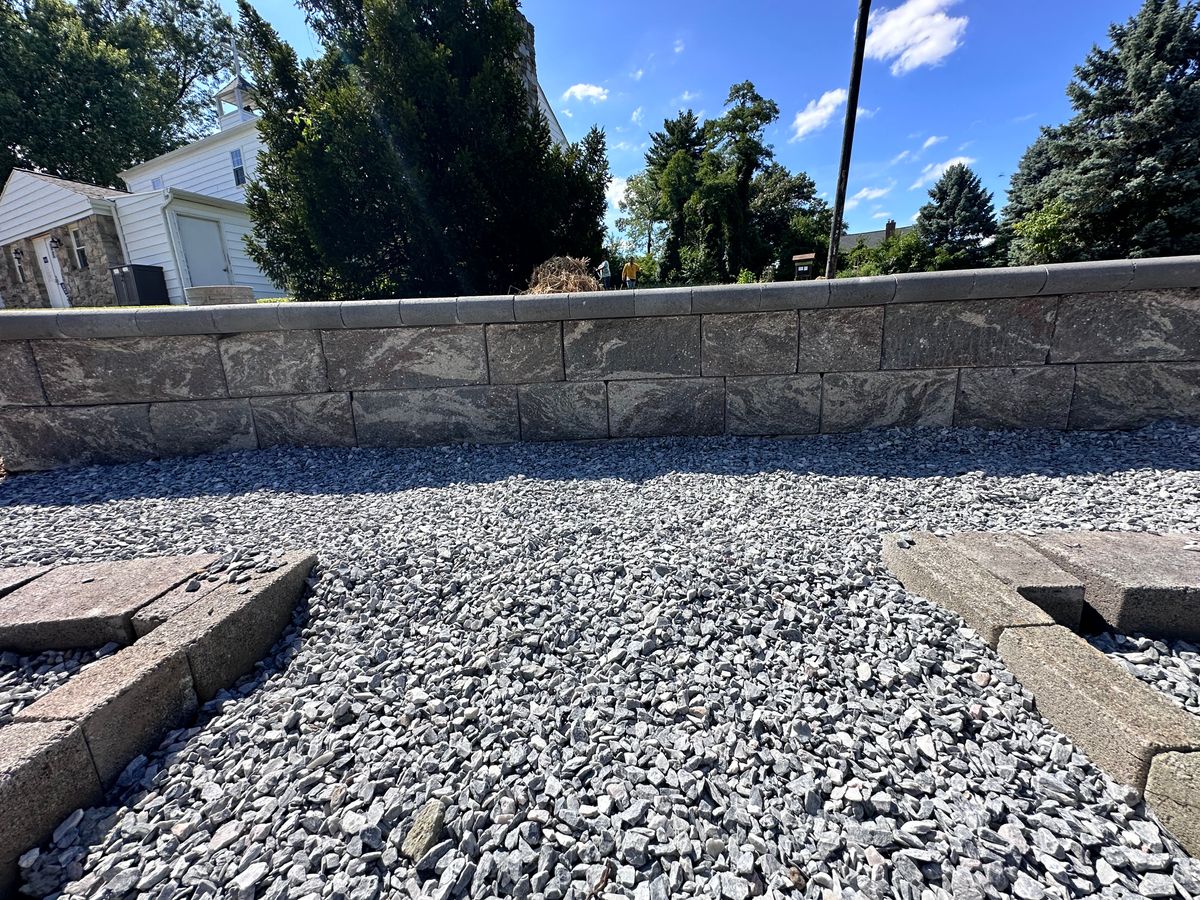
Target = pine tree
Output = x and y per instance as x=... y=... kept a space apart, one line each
x=1125 y=169
x=407 y=159
x=958 y=220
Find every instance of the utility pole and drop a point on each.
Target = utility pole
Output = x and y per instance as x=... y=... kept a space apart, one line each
x=839 y=203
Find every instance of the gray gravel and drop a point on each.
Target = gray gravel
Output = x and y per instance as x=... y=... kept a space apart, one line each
x=23 y=679
x=1172 y=666
x=654 y=669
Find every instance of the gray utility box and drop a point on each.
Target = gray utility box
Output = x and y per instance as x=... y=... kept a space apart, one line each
x=140 y=285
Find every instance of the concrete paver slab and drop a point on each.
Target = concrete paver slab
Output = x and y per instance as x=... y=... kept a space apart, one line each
x=1138 y=582
x=1173 y=789
x=88 y=605
x=46 y=763
x=13 y=577
x=1120 y=721
x=1034 y=575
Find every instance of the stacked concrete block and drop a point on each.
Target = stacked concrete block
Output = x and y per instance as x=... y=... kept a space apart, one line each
x=1029 y=347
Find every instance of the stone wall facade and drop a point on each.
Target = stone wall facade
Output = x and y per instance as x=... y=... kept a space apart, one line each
x=88 y=286
x=1085 y=346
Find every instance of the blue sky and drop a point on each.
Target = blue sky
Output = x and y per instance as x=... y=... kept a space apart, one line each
x=945 y=80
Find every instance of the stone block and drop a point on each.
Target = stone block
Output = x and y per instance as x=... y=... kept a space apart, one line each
x=20 y=384
x=1074 y=278
x=1165 y=272
x=478 y=310
x=662 y=301
x=862 y=291
x=156 y=321
x=309 y=316
x=90 y=604
x=795 y=295
x=1136 y=581
x=312 y=420
x=1004 y=332
x=1032 y=397
x=274 y=362
x=202 y=426
x=36 y=438
x=1031 y=574
x=219 y=295
x=540 y=307
x=773 y=404
x=29 y=324
x=526 y=352
x=429 y=311
x=727 y=298
x=563 y=411
x=600 y=305
x=371 y=313
x=245 y=317
x=1119 y=721
x=749 y=343
x=654 y=347
x=1141 y=326
x=1011 y=281
x=98 y=323
x=927 y=287
x=12 y=577
x=854 y=401
x=226 y=633
x=666 y=406
x=130 y=370
x=841 y=340
x=1130 y=395
x=172 y=603
x=401 y=358
x=484 y=415
x=124 y=704
x=948 y=577
x=1173 y=791
x=45 y=774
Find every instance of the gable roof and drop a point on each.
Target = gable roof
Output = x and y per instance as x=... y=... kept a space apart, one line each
x=32 y=203
x=201 y=144
x=93 y=191
x=872 y=239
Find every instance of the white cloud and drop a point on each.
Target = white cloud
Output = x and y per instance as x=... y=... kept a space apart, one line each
x=566 y=112
x=689 y=96
x=615 y=192
x=817 y=114
x=933 y=140
x=637 y=74
x=916 y=33
x=864 y=113
x=592 y=92
x=637 y=115
x=882 y=215
x=900 y=157
x=869 y=193
x=679 y=46
x=934 y=171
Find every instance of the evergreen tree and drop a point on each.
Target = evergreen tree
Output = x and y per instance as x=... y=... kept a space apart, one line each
x=1125 y=169
x=408 y=159
x=88 y=89
x=958 y=219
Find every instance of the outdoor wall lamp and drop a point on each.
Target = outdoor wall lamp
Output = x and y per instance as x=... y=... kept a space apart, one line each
x=19 y=253
x=55 y=243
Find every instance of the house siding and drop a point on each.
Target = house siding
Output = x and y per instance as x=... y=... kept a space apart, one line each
x=203 y=167
x=34 y=205
x=144 y=227
x=86 y=286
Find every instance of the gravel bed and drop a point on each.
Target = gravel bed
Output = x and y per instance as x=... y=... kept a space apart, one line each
x=1172 y=666
x=651 y=669
x=23 y=679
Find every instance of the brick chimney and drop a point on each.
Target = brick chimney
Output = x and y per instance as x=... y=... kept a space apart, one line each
x=889 y=230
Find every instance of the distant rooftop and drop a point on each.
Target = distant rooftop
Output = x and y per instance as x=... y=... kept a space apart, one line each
x=872 y=239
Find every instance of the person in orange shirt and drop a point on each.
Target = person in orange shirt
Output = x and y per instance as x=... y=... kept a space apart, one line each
x=630 y=274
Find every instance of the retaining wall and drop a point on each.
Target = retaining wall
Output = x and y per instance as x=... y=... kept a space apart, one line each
x=1084 y=346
